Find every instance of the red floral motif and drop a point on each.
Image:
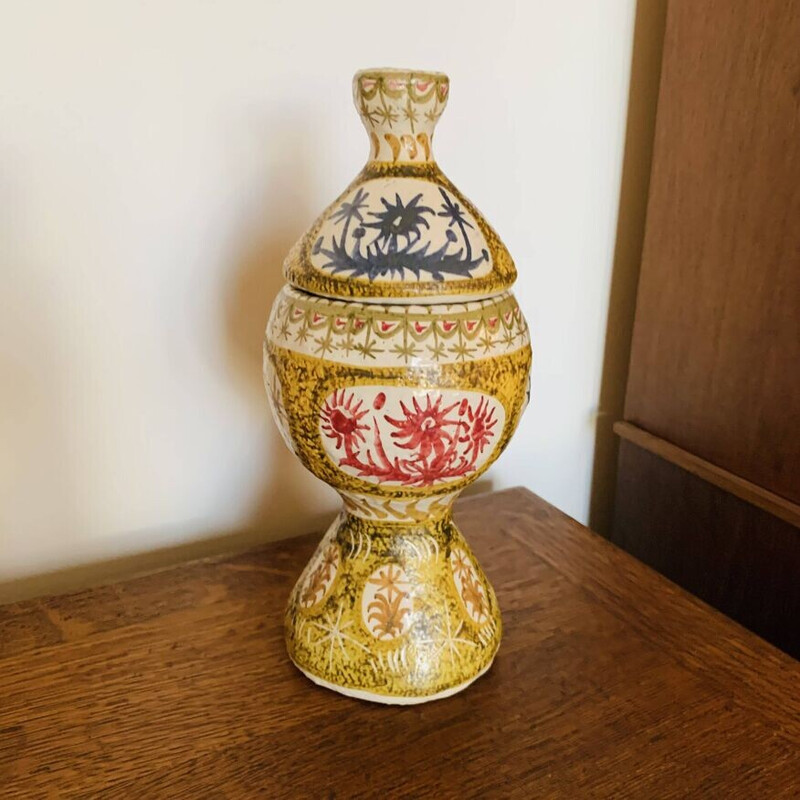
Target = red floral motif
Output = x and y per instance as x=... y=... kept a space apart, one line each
x=441 y=441
x=479 y=432
x=341 y=420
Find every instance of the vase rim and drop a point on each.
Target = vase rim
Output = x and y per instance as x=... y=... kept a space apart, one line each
x=400 y=72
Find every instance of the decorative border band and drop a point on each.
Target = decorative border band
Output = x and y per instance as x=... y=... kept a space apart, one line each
x=390 y=336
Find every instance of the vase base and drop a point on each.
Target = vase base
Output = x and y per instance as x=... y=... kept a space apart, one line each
x=393 y=612
x=389 y=700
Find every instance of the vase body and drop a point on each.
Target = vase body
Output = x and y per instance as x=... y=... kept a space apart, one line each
x=396 y=362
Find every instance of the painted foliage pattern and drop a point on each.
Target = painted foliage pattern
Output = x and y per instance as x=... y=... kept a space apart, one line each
x=416 y=439
x=386 y=606
x=372 y=235
x=399 y=509
x=388 y=336
x=469 y=585
x=392 y=619
x=321 y=575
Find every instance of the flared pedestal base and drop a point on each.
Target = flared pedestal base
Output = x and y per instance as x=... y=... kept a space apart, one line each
x=393 y=613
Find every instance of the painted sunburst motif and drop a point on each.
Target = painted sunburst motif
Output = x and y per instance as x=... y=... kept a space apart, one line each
x=386 y=604
x=447 y=640
x=333 y=636
x=469 y=586
x=321 y=575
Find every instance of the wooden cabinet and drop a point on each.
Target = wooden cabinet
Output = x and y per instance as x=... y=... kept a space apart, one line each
x=709 y=472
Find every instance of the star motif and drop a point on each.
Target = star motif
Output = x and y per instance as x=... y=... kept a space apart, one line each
x=346 y=346
x=283 y=331
x=436 y=351
x=410 y=114
x=324 y=345
x=461 y=351
x=458 y=558
x=367 y=349
x=487 y=342
x=368 y=113
x=388 y=115
x=449 y=640
x=508 y=338
x=406 y=351
x=334 y=634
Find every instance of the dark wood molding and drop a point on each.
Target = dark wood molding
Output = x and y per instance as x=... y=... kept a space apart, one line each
x=727 y=551
x=743 y=489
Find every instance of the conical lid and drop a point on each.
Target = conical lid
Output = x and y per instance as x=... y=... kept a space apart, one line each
x=401 y=232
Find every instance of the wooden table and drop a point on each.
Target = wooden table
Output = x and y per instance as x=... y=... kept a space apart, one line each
x=611 y=682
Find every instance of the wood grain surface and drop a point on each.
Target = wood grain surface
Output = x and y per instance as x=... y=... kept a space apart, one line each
x=610 y=682
x=716 y=341
x=727 y=551
x=745 y=490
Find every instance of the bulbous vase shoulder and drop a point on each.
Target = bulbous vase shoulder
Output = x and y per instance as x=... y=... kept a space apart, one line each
x=401 y=231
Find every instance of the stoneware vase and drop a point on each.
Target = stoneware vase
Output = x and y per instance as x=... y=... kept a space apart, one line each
x=396 y=361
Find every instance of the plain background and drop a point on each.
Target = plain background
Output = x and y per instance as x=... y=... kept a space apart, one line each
x=158 y=159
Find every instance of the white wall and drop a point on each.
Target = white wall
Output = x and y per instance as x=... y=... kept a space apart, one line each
x=157 y=159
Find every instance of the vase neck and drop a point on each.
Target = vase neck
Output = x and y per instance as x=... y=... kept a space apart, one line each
x=400 y=109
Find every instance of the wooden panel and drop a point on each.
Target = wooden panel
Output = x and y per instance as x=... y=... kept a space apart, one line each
x=745 y=490
x=610 y=682
x=715 y=363
x=731 y=554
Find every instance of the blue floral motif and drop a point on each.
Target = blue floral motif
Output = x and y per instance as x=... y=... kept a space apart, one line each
x=392 y=242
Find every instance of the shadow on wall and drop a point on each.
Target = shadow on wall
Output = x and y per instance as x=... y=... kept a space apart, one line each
x=282 y=214
x=269 y=224
x=648 y=42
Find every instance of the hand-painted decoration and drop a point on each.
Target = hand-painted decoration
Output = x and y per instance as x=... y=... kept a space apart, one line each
x=396 y=364
x=470 y=588
x=386 y=605
x=401 y=230
x=374 y=236
x=388 y=336
x=400 y=109
x=417 y=439
x=320 y=577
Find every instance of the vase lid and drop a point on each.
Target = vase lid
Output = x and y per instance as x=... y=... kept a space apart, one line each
x=401 y=232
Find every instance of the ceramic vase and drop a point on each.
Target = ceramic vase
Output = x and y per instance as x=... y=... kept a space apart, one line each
x=396 y=362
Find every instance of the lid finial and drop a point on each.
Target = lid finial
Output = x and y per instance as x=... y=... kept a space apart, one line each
x=400 y=109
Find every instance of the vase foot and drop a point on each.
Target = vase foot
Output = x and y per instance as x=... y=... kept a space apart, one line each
x=393 y=612
x=393 y=700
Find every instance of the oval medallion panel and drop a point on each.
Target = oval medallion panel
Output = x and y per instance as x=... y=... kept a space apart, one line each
x=320 y=575
x=469 y=586
x=410 y=437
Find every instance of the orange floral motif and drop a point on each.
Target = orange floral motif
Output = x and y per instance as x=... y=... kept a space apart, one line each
x=460 y=562
x=387 y=602
x=469 y=586
x=472 y=594
x=321 y=577
x=388 y=580
x=387 y=615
